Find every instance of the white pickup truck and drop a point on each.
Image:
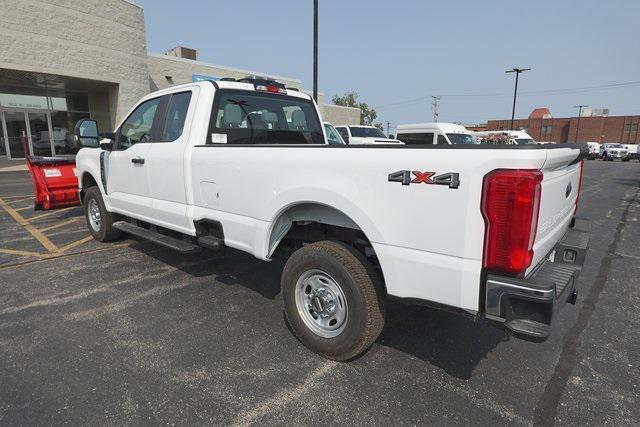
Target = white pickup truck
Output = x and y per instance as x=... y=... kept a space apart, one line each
x=489 y=231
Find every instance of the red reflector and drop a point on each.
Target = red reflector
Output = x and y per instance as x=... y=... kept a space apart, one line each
x=510 y=207
x=273 y=89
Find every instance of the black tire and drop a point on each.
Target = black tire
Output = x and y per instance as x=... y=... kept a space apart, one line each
x=360 y=287
x=103 y=230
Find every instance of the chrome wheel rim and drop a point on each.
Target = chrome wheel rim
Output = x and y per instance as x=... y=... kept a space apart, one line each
x=321 y=303
x=94 y=215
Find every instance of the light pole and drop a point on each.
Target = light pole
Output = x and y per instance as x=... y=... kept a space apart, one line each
x=580 y=107
x=315 y=50
x=515 y=91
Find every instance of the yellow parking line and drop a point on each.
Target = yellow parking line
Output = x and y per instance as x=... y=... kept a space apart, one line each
x=22 y=196
x=11 y=202
x=44 y=241
x=22 y=253
x=60 y=224
x=76 y=243
x=33 y=218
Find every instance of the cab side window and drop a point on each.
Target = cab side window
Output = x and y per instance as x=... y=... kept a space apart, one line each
x=442 y=140
x=139 y=125
x=175 y=117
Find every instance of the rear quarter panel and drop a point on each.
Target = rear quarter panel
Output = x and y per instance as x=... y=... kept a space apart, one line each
x=428 y=238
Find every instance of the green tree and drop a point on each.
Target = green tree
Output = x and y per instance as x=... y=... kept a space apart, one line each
x=350 y=99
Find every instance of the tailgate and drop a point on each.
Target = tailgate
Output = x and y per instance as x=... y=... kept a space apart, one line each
x=560 y=186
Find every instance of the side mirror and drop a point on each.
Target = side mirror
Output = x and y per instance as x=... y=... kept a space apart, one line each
x=86 y=132
x=391 y=136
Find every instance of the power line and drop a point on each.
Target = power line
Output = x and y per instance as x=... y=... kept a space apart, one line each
x=524 y=93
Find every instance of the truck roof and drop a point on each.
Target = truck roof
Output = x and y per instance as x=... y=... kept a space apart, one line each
x=221 y=84
x=423 y=127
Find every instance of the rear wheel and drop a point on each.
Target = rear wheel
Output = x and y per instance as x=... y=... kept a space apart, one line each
x=99 y=219
x=333 y=299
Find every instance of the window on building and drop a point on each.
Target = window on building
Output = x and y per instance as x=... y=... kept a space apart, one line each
x=634 y=127
x=547 y=129
x=263 y=118
x=138 y=126
x=176 y=115
x=627 y=127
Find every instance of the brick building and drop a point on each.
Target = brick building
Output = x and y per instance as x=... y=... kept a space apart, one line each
x=622 y=129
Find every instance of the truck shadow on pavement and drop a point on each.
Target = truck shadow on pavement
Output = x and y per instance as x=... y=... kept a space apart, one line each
x=227 y=266
x=449 y=341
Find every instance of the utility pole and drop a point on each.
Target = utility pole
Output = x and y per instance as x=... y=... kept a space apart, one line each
x=515 y=91
x=387 y=127
x=436 y=107
x=315 y=50
x=580 y=107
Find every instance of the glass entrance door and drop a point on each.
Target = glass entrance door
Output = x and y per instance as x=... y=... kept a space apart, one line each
x=39 y=134
x=28 y=130
x=17 y=135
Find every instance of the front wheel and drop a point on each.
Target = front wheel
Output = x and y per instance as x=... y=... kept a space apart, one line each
x=333 y=299
x=99 y=219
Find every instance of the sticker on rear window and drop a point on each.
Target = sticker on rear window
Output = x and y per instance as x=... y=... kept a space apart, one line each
x=218 y=138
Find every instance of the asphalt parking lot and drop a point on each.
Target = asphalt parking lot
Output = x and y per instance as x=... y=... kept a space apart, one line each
x=130 y=333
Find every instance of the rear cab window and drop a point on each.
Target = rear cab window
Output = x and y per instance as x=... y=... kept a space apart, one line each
x=246 y=117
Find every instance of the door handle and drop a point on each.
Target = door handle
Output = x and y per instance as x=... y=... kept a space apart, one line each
x=138 y=160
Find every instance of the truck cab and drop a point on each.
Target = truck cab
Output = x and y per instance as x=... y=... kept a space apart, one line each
x=434 y=133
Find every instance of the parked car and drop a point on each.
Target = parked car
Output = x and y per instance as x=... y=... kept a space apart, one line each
x=333 y=136
x=594 y=150
x=434 y=133
x=364 y=135
x=469 y=228
x=632 y=150
x=508 y=137
x=611 y=152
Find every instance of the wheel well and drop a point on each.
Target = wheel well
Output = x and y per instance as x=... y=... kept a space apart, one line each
x=88 y=180
x=312 y=222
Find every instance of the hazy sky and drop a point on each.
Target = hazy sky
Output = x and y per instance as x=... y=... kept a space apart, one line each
x=396 y=54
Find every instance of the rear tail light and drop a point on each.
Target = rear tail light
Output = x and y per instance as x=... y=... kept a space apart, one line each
x=579 y=186
x=510 y=207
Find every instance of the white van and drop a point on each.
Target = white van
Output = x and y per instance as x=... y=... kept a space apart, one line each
x=434 y=133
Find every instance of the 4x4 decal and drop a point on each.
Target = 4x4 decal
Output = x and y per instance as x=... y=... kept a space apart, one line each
x=405 y=177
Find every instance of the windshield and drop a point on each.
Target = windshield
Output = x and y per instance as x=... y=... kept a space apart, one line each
x=616 y=146
x=525 y=141
x=365 y=132
x=460 y=138
x=333 y=137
